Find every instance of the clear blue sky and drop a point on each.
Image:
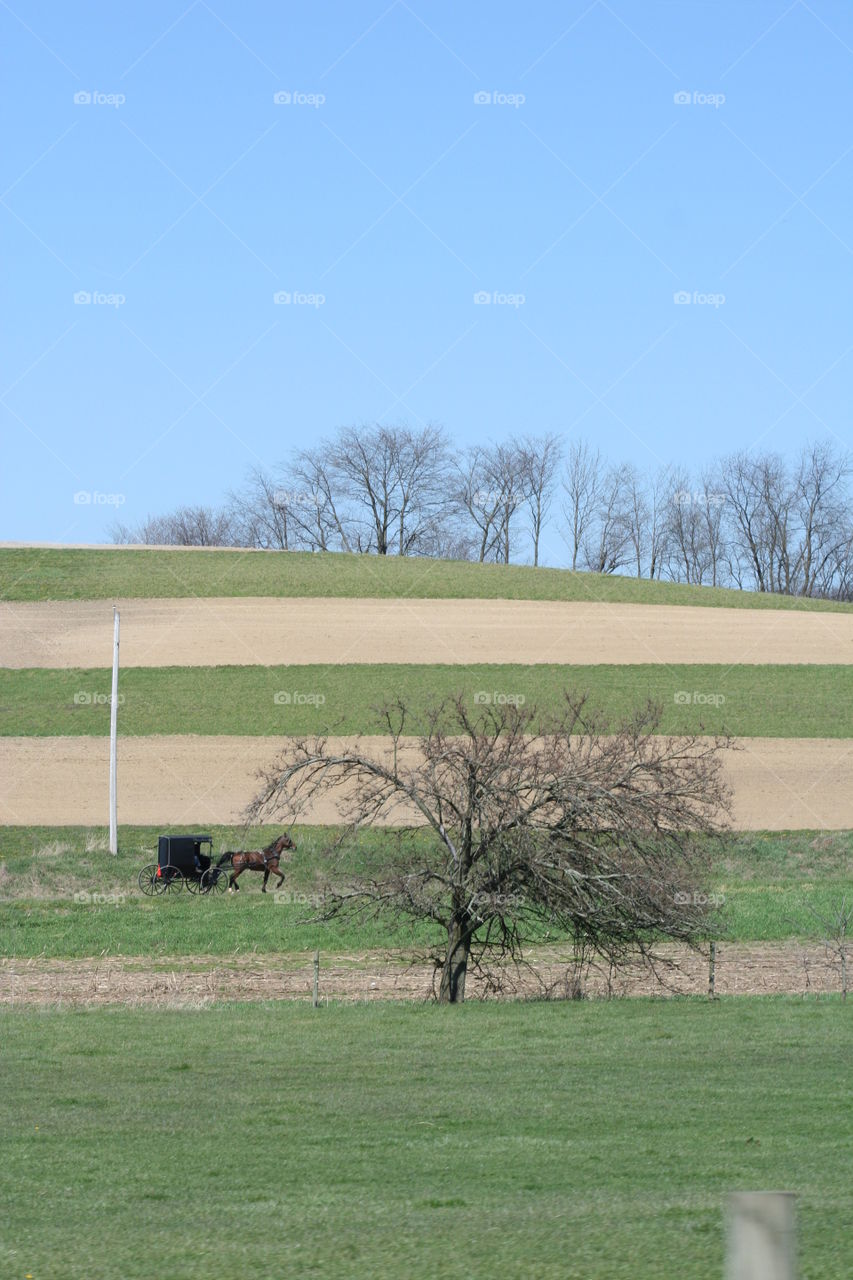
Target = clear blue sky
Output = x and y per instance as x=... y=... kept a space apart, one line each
x=397 y=198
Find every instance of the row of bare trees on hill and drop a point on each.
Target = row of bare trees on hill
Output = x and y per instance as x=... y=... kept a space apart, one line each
x=749 y=520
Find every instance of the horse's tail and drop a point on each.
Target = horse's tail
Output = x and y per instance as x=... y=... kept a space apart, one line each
x=226 y=857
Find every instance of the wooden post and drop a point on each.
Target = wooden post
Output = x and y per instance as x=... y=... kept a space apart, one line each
x=113 y=736
x=712 y=971
x=316 y=979
x=761 y=1236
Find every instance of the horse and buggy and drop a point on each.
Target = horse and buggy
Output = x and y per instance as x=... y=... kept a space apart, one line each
x=188 y=860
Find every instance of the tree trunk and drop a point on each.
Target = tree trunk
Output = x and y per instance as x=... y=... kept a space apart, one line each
x=452 y=988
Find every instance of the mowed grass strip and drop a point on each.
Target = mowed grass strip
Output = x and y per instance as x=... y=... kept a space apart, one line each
x=33 y=573
x=755 y=701
x=771 y=886
x=573 y=1141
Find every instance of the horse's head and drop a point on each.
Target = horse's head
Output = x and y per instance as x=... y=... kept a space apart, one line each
x=283 y=842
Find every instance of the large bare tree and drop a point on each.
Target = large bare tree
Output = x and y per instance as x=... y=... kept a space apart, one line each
x=507 y=820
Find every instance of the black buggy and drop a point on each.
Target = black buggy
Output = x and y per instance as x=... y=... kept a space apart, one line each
x=183 y=860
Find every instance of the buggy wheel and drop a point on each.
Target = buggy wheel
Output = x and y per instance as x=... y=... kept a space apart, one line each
x=193 y=884
x=147 y=879
x=170 y=880
x=214 y=880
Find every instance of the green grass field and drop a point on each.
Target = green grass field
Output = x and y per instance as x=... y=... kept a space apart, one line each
x=32 y=573
x=761 y=701
x=771 y=884
x=531 y=1141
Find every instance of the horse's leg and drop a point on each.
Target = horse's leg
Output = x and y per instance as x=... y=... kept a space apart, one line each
x=280 y=875
x=266 y=877
x=232 y=881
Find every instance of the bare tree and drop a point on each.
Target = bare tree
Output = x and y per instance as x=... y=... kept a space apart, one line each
x=317 y=509
x=657 y=532
x=639 y=516
x=261 y=512
x=712 y=503
x=421 y=467
x=199 y=526
x=540 y=458
x=507 y=820
x=478 y=492
x=821 y=500
x=607 y=546
x=392 y=481
x=581 y=484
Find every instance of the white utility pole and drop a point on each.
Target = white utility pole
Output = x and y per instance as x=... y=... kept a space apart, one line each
x=113 y=734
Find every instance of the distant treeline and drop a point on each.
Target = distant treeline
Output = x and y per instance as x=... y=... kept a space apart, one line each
x=749 y=520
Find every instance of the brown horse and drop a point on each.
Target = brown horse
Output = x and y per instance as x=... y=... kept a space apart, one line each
x=265 y=860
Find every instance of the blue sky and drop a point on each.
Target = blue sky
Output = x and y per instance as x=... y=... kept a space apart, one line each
x=384 y=188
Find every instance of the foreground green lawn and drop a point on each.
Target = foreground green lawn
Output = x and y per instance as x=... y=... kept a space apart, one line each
x=771 y=885
x=760 y=701
x=527 y=1141
x=42 y=574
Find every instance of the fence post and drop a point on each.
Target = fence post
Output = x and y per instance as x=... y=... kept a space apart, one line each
x=316 y=1001
x=761 y=1236
x=712 y=971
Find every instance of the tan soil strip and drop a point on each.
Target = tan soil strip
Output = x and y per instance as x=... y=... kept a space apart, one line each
x=779 y=783
x=263 y=631
x=787 y=968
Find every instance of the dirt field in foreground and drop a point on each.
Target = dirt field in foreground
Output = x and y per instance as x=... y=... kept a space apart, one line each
x=191 y=982
x=248 y=631
x=779 y=783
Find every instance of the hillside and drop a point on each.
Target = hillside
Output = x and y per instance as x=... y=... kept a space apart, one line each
x=36 y=573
